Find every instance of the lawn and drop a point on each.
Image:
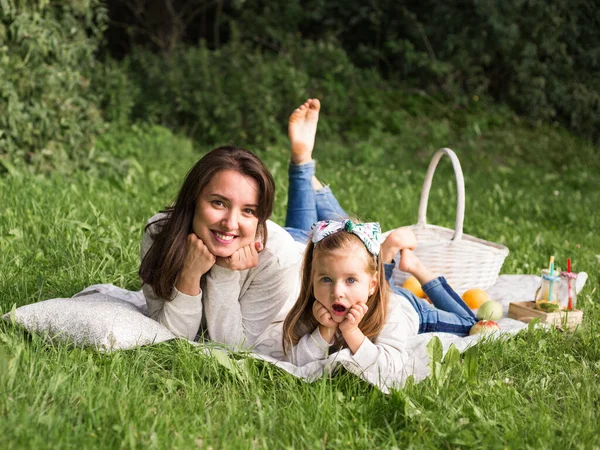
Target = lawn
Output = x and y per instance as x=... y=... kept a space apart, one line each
x=534 y=189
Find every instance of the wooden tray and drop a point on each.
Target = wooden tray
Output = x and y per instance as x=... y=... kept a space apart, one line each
x=525 y=312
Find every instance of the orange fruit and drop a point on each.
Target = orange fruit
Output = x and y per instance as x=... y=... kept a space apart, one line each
x=475 y=297
x=413 y=285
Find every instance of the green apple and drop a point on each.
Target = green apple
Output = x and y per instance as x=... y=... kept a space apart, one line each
x=490 y=310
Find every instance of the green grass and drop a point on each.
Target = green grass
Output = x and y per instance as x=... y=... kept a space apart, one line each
x=534 y=189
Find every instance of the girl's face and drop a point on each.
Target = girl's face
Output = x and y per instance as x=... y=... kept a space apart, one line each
x=225 y=217
x=341 y=279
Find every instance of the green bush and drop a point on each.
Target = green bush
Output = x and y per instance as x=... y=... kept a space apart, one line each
x=48 y=115
x=233 y=94
x=541 y=57
x=115 y=91
x=242 y=94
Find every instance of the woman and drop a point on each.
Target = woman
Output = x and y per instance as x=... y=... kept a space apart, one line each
x=203 y=264
x=207 y=264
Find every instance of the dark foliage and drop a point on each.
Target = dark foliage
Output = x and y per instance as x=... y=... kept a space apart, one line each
x=540 y=57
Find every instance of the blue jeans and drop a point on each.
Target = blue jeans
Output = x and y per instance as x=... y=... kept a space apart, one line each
x=307 y=205
x=448 y=314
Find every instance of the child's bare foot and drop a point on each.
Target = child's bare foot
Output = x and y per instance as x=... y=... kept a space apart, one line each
x=302 y=128
x=410 y=263
x=397 y=240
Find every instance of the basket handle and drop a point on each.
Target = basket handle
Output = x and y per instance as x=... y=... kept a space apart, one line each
x=460 y=189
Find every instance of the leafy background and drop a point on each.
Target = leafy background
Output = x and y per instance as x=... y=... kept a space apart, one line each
x=104 y=106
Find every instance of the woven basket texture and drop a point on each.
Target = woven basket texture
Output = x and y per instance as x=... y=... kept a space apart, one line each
x=466 y=261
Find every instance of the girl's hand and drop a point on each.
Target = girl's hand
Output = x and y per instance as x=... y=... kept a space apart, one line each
x=243 y=258
x=353 y=318
x=327 y=326
x=353 y=335
x=323 y=316
x=198 y=260
x=399 y=239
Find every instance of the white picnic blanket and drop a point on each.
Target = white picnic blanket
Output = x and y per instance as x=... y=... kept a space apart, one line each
x=508 y=288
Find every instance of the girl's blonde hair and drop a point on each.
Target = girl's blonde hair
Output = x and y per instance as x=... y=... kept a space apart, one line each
x=300 y=320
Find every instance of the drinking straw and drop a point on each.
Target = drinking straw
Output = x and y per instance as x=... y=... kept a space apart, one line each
x=551 y=275
x=570 y=293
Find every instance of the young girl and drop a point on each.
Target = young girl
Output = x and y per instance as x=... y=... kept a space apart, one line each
x=345 y=299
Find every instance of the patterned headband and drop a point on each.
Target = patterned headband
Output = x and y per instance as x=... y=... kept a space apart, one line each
x=369 y=233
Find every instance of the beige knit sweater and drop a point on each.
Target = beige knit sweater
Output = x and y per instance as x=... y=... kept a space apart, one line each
x=233 y=307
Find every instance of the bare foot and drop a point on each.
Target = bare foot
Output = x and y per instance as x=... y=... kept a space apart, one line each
x=302 y=128
x=397 y=240
x=410 y=263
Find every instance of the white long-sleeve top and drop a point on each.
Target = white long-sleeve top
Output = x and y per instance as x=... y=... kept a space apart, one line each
x=387 y=352
x=233 y=307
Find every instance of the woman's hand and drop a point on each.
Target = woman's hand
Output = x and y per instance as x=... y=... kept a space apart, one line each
x=327 y=325
x=243 y=258
x=198 y=260
x=399 y=239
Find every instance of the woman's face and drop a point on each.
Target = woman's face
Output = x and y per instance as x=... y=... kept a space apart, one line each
x=225 y=217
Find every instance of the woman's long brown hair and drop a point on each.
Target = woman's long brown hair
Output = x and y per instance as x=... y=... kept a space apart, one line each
x=300 y=320
x=164 y=260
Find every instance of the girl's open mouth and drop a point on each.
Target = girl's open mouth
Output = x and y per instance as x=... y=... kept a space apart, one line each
x=338 y=309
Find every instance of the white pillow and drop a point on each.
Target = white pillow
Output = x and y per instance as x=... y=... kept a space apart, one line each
x=96 y=319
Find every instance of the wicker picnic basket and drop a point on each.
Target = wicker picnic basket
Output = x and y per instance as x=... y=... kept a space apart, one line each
x=466 y=261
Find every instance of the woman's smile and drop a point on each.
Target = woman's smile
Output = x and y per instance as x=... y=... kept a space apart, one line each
x=223 y=238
